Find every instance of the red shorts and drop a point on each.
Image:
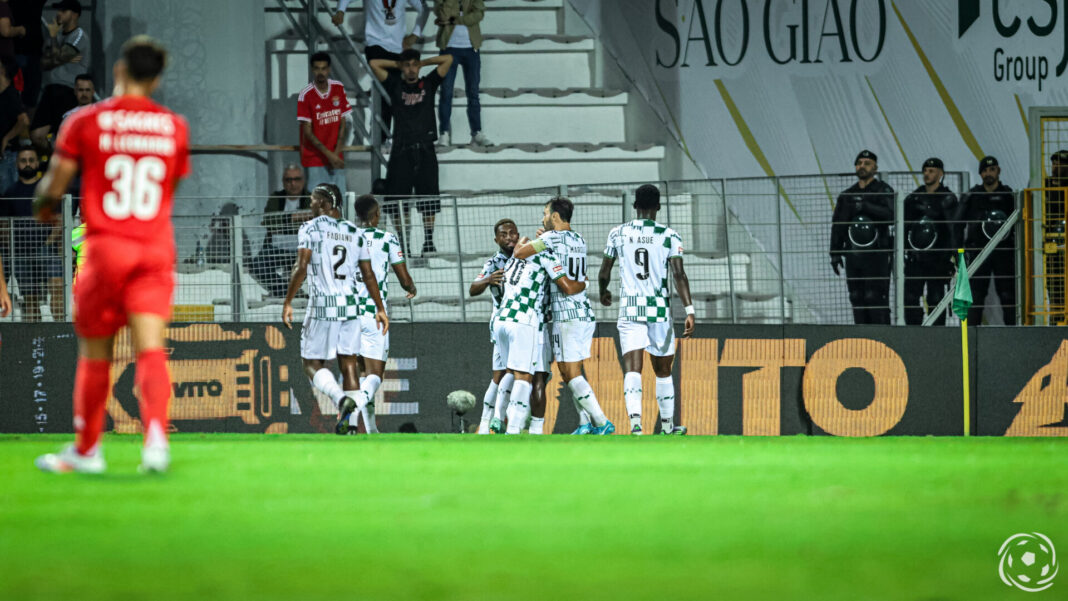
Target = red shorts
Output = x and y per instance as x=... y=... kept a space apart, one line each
x=119 y=277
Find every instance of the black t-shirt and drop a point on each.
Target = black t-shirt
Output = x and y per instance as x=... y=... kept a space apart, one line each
x=10 y=109
x=28 y=14
x=413 y=108
x=926 y=218
x=18 y=202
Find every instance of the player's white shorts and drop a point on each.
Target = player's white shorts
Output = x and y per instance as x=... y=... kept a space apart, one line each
x=572 y=340
x=325 y=340
x=658 y=338
x=373 y=343
x=519 y=345
x=544 y=363
x=498 y=359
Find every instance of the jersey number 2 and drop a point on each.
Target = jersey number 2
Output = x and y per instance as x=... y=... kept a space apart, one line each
x=136 y=187
x=343 y=253
x=641 y=259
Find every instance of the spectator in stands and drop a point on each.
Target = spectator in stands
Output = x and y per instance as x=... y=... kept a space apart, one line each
x=13 y=123
x=84 y=94
x=981 y=213
x=9 y=32
x=37 y=265
x=384 y=33
x=66 y=56
x=413 y=162
x=286 y=209
x=860 y=236
x=28 y=48
x=1054 y=217
x=459 y=35
x=321 y=110
x=928 y=242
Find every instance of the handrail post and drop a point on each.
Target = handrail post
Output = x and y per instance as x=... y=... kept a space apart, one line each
x=459 y=257
x=782 y=264
x=899 y=258
x=68 y=259
x=236 y=257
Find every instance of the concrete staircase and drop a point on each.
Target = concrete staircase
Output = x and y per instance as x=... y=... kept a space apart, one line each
x=550 y=126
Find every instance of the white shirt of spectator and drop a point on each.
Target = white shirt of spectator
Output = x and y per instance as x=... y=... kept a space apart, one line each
x=461 y=38
x=292 y=204
x=378 y=32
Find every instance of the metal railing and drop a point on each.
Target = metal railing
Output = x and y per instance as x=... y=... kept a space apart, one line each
x=758 y=250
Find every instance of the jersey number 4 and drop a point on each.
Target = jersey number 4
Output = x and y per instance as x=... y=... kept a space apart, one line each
x=136 y=187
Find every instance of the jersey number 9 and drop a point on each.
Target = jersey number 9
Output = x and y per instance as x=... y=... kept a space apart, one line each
x=136 y=187
x=641 y=259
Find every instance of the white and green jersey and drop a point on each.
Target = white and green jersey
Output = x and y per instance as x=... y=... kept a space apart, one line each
x=524 y=287
x=643 y=248
x=336 y=247
x=384 y=250
x=494 y=263
x=570 y=249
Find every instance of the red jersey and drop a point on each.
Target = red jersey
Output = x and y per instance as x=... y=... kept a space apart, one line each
x=324 y=112
x=131 y=153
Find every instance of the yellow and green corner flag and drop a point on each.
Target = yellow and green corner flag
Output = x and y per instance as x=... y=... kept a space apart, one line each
x=962 y=295
x=962 y=301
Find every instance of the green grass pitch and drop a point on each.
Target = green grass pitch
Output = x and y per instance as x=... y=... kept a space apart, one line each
x=468 y=517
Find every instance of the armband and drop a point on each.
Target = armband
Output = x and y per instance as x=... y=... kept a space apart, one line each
x=538 y=245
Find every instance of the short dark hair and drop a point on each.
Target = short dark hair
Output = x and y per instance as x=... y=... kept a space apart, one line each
x=328 y=192
x=647 y=196
x=145 y=58
x=497 y=226
x=365 y=205
x=319 y=57
x=410 y=54
x=84 y=77
x=28 y=147
x=563 y=206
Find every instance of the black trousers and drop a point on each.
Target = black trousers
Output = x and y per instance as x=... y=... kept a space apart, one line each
x=933 y=272
x=868 y=279
x=371 y=53
x=999 y=271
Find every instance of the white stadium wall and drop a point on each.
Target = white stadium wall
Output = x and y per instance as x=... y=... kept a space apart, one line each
x=784 y=87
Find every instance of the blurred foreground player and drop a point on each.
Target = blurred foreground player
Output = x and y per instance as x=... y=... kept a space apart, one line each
x=130 y=152
x=646 y=250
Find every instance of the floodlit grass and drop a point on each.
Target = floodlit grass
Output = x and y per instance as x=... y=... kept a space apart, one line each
x=466 y=517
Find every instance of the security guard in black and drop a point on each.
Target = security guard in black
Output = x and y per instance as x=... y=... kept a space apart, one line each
x=861 y=238
x=928 y=242
x=981 y=213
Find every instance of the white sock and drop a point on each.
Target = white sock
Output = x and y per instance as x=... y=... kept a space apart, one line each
x=632 y=396
x=325 y=383
x=370 y=385
x=489 y=401
x=584 y=397
x=521 y=401
x=665 y=398
x=367 y=411
x=584 y=418
x=504 y=393
x=537 y=425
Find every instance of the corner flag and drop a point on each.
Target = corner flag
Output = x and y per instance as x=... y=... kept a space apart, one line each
x=962 y=294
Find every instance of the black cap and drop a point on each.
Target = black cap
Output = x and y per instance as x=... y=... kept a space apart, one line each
x=987 y=161
x=1060 y=157
x=68 y=5
x=934 y=162
x=866 y=154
